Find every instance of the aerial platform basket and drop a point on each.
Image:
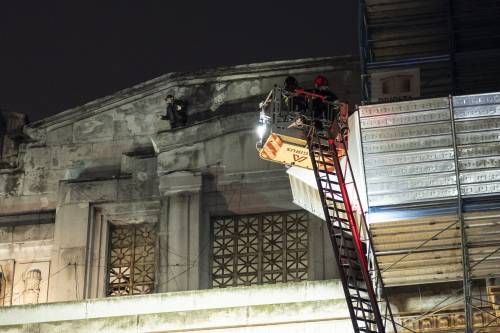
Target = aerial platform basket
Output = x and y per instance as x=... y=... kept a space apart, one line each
x=284 y=149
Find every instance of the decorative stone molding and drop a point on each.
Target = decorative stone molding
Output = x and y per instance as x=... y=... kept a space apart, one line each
x=6 y=280
x=494 y=298
x=32 y=279
x=444 y=322
x=180 y=182
x=31 y=282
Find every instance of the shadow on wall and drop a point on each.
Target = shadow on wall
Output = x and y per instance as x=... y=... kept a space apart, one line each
x=249 y=104
x=238 y=197
x=11 y=135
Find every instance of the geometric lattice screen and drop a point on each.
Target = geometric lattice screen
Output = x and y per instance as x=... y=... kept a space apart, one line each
x=259 y=249
x=132 y=259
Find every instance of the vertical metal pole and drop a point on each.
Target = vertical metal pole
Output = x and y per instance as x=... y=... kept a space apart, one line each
x=451 y=39
x=363 y=49
x=276 y=107
x=463 y=236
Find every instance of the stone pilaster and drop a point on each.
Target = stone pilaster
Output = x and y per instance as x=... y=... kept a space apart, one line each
x=179 y=232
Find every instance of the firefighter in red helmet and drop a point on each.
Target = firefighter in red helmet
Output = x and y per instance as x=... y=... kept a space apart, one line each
x=321 y=109
x=321 y=88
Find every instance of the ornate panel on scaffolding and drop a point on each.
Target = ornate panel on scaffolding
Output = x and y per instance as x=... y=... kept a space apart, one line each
x=406 y=142
x=132 y=259
x=259 y=249
x=483 y=321
x=408 y=152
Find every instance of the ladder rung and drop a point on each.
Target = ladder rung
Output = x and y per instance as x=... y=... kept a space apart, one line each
x=366 y=320
x=354 y=266
x=336 y=200
x=338 y=209
x=362 y=309
x=337 y=231
x=324 y=163
x=328 y=181
x=328 y=172
x=344 y=229
x=341 y=219
x=358 y=288
x=362 y=300
x=346 y=238
x=332 y=191
x=322 y=154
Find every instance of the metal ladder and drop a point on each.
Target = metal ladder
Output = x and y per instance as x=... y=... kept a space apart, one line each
x=358 y=272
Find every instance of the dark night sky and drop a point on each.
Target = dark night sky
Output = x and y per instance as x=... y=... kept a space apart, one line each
x=57 y=55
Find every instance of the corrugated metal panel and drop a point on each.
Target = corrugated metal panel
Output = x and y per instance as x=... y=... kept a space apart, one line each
x=409 y=155
x=477 y=119
x=408 y=152
x=428 y=249
x=305 y=191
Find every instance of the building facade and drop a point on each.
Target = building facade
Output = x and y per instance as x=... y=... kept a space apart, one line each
x=106 y=200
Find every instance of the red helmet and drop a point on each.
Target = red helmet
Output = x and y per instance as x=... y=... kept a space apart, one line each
x=320 y=81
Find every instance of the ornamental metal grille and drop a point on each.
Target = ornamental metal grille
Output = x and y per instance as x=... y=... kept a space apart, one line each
x=132 y=259
x=259 y=249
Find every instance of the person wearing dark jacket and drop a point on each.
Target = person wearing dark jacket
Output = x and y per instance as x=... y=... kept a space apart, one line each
x=294 y=102
x=320 y=108
x=176 y=112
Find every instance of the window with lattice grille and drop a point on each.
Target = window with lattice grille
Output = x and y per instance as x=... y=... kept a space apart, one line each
x=259 y=249
x=132 y=259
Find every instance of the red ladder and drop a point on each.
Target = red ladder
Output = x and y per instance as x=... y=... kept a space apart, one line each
x=352 y=252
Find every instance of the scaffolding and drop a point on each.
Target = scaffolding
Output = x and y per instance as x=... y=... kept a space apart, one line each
x=455 y=46
x=438 y=160
x=454 y=43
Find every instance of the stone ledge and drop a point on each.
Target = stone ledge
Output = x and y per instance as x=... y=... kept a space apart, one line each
x=308 y=291
x=333 y=312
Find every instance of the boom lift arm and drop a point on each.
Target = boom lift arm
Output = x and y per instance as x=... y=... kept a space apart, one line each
x=318 y=141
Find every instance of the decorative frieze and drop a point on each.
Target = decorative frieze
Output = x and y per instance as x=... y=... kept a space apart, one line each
x=406 y=118
x=402 y=107
x=413 y=139
x=445 y=322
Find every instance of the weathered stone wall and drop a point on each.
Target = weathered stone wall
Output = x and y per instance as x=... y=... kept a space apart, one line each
x=89 y=141
x=11 y=126
x=96 y=164
x=23 y=248
x=296 y=307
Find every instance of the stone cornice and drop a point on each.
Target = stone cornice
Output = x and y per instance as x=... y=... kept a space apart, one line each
x=172 y=80
x=204 y=131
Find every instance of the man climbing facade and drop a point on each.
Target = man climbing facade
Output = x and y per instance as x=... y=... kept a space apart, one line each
x=176 y=112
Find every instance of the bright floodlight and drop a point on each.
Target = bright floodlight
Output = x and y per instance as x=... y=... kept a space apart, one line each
x=261 y=130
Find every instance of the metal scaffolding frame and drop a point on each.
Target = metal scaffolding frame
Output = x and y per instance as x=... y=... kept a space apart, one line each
x=454 y=43
x=456 y=205
x=473 y=116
